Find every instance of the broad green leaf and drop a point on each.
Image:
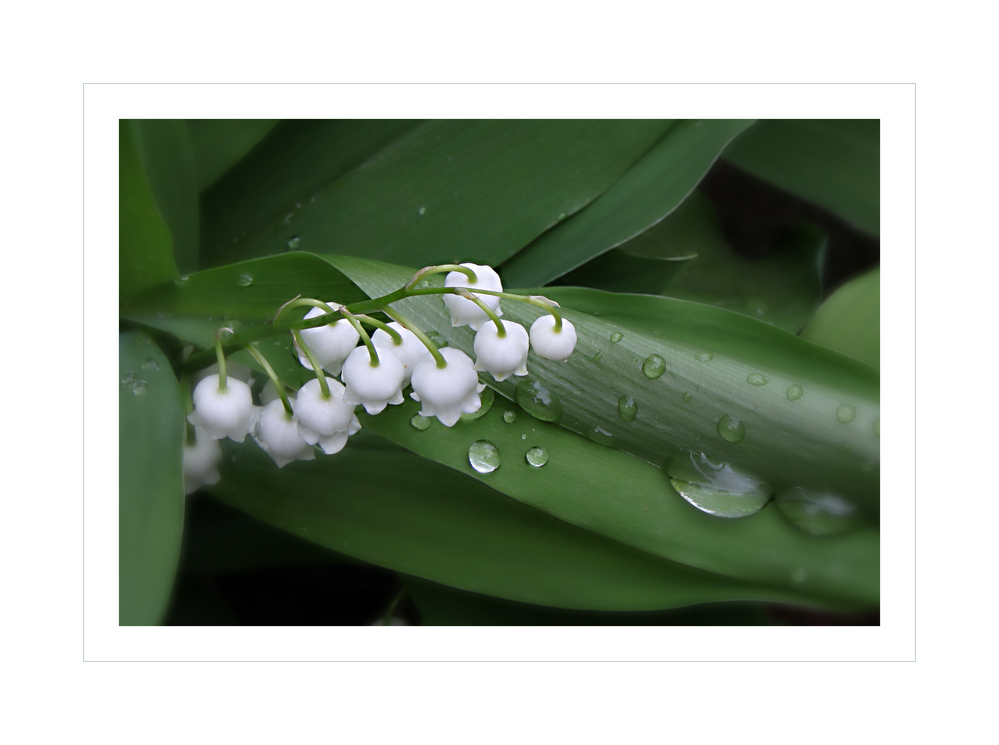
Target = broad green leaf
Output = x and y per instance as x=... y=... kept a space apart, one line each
x=220 y=143
x=150 y=480
x=469 y=190
x=850 y=320
x=621 y=271
x=386 y=506
x=834 y=163
x=145 y=252
x=168 y=160
x=647 y=193
x=708 y=355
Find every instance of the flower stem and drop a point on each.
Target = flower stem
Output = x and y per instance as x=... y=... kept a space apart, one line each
x=440 y=269
x=298 y=302
x=401 y=319
x=316 y=367
x=396 y=336
x=372 y=352
x=259 y=357
x=221 y=358
x=500 y=328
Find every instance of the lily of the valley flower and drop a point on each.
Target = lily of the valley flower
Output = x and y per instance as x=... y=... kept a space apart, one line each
x=325 y=421
x=330 y=343
x=201 y=462
x=447 y=392
x=373 y=387
x=463 y=311
x=226 y=413
x=551 y=344
x=502 y=356
x=410 y=352
x=278 y=435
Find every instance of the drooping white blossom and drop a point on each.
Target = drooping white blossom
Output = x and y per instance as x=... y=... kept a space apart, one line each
x=325 y=421
x=373 y=387
x=410 y=352
x=448 y=392
x=502 y=356
x=201 y=461
x=330 y=343
x=552 y=344
x=226 y=413
x=278 y=435
x=463 y=311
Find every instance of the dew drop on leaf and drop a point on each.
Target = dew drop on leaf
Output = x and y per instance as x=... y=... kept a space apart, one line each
x=139 y=388
x=715 y=487
x=294 y=243
x=794 y=392
x=483 y=456
x=538 y=401
x=731 y=429
x=537 y=457
x=703 y=356
x=245 y=280
x=627 y=408
x=756 y=379
x=846 y=413
x=616 y=337
x=654 y=366
x=420 y=422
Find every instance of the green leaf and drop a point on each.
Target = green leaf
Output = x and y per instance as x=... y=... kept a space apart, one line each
x=834 y=163
x=647 y=193
x=470 y=190
x=383 y=505
x=168 y=160
x=145 y=251
x=220 y=143
x=621 y=271
x=850 y=320
x=150 y=480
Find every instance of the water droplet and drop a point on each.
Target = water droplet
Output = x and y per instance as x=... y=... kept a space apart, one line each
x=128 y=378
x=150 y=364
x=509 y=416
x=598 y=355
x=537 y=457
x=483 y=456
x=846 y=413
x=486 y=399
x=685 y=397
x=731 y=429
x=561 y=216
x=756 y=379
x=538 y=401
x=420 y=422
x=245 y=280
x=616 y=337
x=627 y=408
x=287 y=218
x=423 y=210
x=794 y=392
x=703 y=356
x=139 y=388
x=715 y=487
x=294 y=242
x=654 y=366
x=818 y=513
x=876 y=426
x=181 y=281
x=523 y=436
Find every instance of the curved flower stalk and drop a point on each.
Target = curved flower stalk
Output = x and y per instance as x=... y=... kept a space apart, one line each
x=465 y=312
x=331 y=344
x=410 y=352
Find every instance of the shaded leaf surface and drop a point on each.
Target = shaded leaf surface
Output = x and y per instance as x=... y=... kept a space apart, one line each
x=220 y=143
x=849 y=321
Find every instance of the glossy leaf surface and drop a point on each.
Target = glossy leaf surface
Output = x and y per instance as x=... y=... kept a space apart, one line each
x=849 y=321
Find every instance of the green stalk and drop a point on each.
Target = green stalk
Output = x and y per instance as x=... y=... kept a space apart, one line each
x=316 y=367
x=259 y=357
x=406 y=323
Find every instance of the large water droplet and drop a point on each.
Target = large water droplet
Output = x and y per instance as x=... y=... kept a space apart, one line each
x=817 y=513
x=486 y=399
x=846 y=413
x=654 y=366
x=703 y=356
x=509 y=416
x=150 y=364
x=538 y=401
x=876 y=426
x=139 y=388
x=483 y=456
x=794 y=392
x=128 y=378
x=537 y=457
x=627 y=408
x=616 y=337
x=731 y=429
x=756 y=379
x=685 y=397
x=715 y=487
x=420 y=422
x=294 y=242
x=245 y=279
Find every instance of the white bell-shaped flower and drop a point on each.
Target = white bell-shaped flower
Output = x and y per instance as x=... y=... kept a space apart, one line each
x=448 y=392
x=330 y=343
x=552 y=344
x=228 y=413
x=201 y=462
x=502 y=356
x=463 y=311
x=410 y=352
x=373 y=387
x=278 y=435
x=325 y=421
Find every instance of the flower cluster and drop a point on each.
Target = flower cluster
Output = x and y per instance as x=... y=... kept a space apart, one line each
x=373 y=371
